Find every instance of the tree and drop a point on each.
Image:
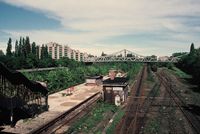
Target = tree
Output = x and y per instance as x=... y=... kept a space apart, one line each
x=37 y=52
x=27 y=45
x=16 y=48
x=20 y=47
x=46 y=52
x=191 y=63
x=9 y=47
x=33 y=49
x=42 y=52
x=1 y=53
x=103 y=54
x=129 y=55
x=24 y=48
x=154 y=67
x=192 y=49
x=179 y=54
x=120 y=55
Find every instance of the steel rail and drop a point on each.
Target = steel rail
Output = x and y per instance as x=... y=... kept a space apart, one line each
x=128 y=122
x=191 y=118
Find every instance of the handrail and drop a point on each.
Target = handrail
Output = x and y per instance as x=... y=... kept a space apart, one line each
x=17 y=78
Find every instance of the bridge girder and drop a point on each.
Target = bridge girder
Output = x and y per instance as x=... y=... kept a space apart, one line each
x=124 y=59
x=126 y=55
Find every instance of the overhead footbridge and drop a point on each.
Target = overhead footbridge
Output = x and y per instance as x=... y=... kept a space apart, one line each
x=17 y=91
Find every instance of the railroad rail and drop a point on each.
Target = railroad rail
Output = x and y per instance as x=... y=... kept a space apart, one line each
x=129 y=121
x=192 y=119
x=56 y=123
x=144 y=109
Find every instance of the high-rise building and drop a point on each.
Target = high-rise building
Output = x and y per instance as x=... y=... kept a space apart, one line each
x=57 y=51
x=73 y=54
x=78 y=55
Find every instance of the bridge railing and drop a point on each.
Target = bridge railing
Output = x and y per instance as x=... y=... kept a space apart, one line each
x=126 y=55
x=131 y=59
x=23 y=93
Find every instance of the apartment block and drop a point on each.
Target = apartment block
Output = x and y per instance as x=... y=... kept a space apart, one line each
x=58 y=51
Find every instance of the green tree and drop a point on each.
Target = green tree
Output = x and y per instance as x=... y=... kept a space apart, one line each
x=16 y=48
x=1 y=53
x=20 y=47
x=103 y=54
x=24 y=49
x=129 y=55
x=42 y=52
x=33 y=49
x=191 y=63
x=192 y=49
x=9 y=47
x=37 y=52
x=27 y=45
x=179 y=54
x=46 y=52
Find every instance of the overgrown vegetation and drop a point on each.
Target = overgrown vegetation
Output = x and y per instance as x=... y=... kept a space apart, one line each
x=75 y=73
x=87 y=123
x=150 y=74
x=179 y=73
x=26 y=55
x=152 y=126
x=190 y=63
x=111 y=129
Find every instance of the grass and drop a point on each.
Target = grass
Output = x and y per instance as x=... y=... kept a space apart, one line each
x=150 y=77
x=87 y=123
x=116 y=120
x=153 y=126
x=196 y=98
x=179 y=73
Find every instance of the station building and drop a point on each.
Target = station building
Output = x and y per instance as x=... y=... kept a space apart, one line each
x=115 y=89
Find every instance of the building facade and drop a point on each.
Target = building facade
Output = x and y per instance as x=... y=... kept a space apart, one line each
x=58 y=51
x=115 y=90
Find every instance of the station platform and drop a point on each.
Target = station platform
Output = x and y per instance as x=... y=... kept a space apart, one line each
x=58 y=103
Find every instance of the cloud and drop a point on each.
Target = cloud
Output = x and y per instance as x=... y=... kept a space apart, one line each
x=95 y=15
x=98 y=20
x=3 y=47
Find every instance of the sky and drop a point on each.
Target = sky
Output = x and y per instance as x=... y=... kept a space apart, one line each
x=146 y=27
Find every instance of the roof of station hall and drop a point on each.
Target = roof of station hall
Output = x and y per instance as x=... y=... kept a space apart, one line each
x=121 y=81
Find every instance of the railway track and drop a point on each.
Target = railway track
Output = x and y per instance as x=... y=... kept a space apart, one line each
x=129 y=121
x=192 y=119
x=56 y=123
x=145 y=107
